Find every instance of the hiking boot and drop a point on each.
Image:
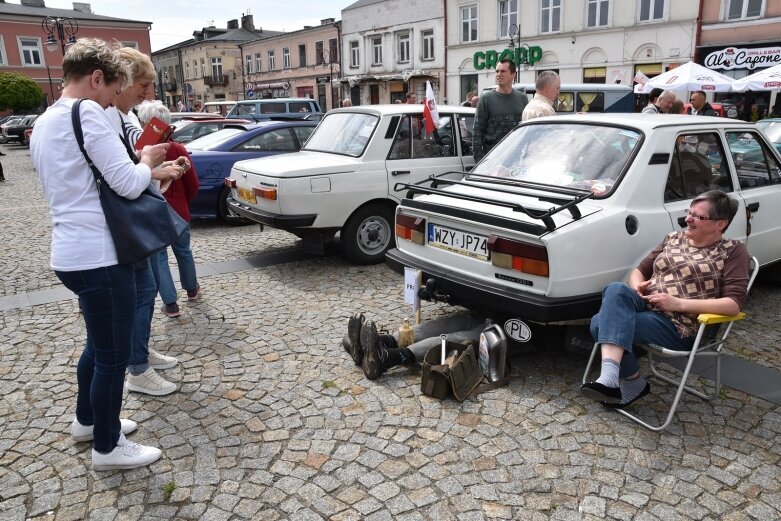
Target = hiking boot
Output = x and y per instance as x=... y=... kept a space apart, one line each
x=126 y=455
x=171 y=310
x=81 y=432
x=149 y=382
x=193 y=295
x=161 y=361
x=374 y=355
x=354 y=326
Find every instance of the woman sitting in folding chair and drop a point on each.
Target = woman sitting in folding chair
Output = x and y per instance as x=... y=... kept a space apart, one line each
x=691 y=272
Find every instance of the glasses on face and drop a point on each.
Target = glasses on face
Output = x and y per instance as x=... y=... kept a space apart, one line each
x=698 y=216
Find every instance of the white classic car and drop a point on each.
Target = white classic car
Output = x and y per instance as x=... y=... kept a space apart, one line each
x=343 y=179
x=562 y=206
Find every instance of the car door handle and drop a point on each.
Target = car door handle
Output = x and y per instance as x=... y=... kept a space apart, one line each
x=753 y=207
x=399 y=172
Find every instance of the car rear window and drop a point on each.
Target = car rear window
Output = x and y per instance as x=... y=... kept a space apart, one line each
x=210 y=141
x=345 y=133
x=584 y=156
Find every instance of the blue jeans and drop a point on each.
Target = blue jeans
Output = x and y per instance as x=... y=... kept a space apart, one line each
x=107 y=298
x=186 y=264
x=146 y=292
x=624 y=320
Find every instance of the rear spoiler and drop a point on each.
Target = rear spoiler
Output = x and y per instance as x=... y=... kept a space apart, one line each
x=572 y=196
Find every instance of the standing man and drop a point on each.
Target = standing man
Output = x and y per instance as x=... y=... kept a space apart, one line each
x=498 y=110
x=662 y=104
x=700 y=107
x=548 y=84
x=412 y=99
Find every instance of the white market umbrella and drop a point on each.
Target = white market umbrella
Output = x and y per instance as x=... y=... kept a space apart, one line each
x=766 y=79
x=690 y=77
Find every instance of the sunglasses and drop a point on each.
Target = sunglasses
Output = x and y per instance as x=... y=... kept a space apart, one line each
x=698 y=216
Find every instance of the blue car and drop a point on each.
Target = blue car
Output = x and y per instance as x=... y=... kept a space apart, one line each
x=213 y=156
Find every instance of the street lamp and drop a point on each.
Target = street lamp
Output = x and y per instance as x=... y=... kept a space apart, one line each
x=521 y=50
x=65 y=26
x=326 y=57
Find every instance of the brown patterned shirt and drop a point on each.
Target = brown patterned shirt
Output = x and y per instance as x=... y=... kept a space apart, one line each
x=679 y=269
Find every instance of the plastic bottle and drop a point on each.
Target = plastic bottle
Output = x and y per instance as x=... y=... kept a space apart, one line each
x=406 y=334
x=493 y=352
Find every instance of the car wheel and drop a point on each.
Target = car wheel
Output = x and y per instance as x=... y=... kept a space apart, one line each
x=368 y=234
x=224 y=212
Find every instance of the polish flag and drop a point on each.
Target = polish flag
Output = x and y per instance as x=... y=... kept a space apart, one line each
x=640 y=78
x=430 y=112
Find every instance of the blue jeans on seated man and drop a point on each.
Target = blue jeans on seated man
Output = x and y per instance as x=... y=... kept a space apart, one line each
x=107 y=298
x=186 y=264
x=146 y=291
x=624 y=319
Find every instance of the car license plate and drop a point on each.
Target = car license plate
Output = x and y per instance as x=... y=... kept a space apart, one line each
x=458 y=241
x=247 y=195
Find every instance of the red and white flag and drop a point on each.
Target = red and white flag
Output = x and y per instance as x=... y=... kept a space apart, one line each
x=640 y=78
x=430 y=112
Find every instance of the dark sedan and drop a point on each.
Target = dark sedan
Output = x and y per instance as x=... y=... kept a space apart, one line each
x=15 y=131
x=213 y=156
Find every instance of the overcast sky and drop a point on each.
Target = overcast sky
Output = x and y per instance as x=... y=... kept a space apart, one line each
x=175 y=20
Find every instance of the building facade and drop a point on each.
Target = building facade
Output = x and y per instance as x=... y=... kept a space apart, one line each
x=23 y=39
x=738 y=38
x=299 y=64
x=392 y=47
x=596 y=41
x=208 y=67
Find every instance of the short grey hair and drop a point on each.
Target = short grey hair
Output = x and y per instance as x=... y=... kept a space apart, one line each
x=545 y=79
x=153 y=109
x=668 y=94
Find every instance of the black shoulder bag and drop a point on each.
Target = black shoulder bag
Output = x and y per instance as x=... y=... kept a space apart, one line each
x=139 y=227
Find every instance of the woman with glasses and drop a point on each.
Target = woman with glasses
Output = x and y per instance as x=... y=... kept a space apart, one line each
x=692 y=271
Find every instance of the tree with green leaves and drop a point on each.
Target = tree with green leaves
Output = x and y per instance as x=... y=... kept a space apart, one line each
x=18 y=92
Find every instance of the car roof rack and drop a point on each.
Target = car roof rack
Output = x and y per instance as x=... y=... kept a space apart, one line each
x=569 y=203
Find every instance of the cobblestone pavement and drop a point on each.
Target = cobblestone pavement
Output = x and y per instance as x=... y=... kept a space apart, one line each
x=273 y=421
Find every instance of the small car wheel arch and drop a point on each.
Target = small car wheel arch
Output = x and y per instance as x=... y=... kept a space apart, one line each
x=369 y=232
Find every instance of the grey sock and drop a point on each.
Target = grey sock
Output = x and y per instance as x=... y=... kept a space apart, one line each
x=631 y=388
x=608 y=376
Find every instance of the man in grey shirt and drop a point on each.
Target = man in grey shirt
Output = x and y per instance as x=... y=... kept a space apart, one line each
x=498 y=110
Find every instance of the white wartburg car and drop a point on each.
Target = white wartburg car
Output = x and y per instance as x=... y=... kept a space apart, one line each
x=343 y=178
x=562 y=206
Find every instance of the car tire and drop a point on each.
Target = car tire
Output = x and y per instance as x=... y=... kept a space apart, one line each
x=368 y=234
x=223 y=210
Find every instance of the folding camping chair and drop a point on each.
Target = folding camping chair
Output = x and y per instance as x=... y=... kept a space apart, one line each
x=708 y=343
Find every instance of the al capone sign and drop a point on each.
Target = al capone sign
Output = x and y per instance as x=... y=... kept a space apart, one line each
x=737 y=58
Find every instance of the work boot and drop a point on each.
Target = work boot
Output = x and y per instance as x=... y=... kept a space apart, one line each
x=375 y=354
x=353 y=346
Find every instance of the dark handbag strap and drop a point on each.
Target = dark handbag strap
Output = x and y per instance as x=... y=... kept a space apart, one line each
x=501 y=382
x=76 y=121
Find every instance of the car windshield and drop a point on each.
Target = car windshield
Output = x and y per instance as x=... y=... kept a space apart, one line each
x=345 y=133
x=772 y=130
x=584 y=156
x=211 y=141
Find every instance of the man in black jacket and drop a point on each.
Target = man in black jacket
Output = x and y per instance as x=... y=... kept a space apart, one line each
x=700 y=107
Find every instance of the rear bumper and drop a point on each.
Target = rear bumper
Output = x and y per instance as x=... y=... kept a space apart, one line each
x=282 y=222
x=485 y=296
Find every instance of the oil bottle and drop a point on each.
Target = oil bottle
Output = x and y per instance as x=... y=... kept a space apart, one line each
x=406 y=334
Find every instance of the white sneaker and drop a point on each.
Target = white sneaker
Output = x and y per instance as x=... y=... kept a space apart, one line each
x=126 y=455
x=81 y=432
x=149 y=382
x=161 y=361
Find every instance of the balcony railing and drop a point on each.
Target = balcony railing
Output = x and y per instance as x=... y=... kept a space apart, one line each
x=216 y=80
x=169 y=85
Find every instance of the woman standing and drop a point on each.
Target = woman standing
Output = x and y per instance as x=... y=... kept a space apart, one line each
x=83 y=254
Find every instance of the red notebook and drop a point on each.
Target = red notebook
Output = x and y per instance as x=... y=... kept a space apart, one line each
x=155 y=132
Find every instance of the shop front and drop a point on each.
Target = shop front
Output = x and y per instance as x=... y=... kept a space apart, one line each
x=740 y=61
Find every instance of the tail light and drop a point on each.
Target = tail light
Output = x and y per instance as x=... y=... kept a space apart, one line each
x=230 y=183
x=519 y=256
x=265 y=193
x=411 y=228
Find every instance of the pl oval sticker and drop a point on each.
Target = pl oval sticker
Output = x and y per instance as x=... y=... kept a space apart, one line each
x=517 y=330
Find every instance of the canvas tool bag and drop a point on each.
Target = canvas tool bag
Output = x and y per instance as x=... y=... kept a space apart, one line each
x=139 y=227
x=461 y=381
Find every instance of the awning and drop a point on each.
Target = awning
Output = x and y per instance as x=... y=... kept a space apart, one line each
x=270 y=86
x=404 y=75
